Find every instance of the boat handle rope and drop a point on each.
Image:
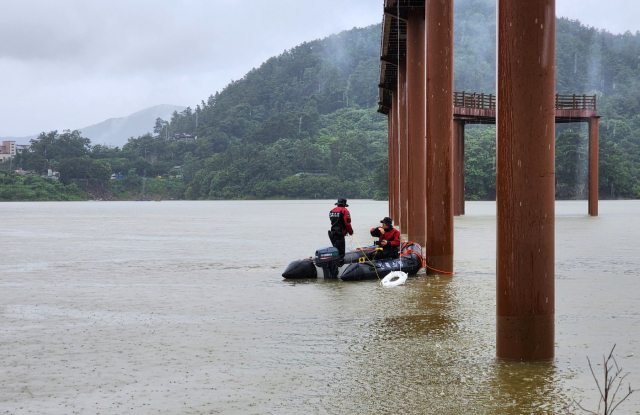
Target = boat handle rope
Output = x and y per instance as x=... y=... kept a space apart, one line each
x=423 y=259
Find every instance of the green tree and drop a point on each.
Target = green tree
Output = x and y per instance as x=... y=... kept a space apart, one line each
x=99 y=171
x=54 y=146
x=74 y=168
x=381 y=181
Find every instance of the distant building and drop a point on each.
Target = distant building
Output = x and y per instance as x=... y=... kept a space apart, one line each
x=21 y=147
x=313 y=173
x=7 y=150
x=8 y=147
x=183 y=137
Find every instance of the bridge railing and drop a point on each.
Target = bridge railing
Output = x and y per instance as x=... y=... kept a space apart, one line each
x=488 y=101
x=474 y=100
x=575 y=102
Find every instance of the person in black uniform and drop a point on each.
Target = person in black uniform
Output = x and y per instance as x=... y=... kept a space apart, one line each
x=340 y=225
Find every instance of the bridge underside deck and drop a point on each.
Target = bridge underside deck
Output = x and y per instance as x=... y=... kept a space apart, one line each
x=486 y=116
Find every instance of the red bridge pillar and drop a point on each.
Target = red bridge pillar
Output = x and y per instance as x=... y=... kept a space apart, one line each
x=525 y=180
x=402 y=146
x=396 y=161
x=394 y=165
x=439 y=247
x=593 y=166
x=458 y=168
x=416 y=78
x=390 y=157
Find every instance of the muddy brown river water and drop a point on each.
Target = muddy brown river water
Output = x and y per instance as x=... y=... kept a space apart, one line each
x=180 y=308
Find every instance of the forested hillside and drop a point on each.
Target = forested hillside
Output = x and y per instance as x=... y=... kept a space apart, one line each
x=304 y=124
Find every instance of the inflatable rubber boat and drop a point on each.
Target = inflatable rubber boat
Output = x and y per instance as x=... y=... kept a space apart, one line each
x=358 y=265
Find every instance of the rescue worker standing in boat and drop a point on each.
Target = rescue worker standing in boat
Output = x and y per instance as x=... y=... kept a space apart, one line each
x=340 y=225
x=388 y=239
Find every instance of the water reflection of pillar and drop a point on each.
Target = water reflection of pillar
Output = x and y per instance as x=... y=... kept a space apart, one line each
x=402 y=143
x=416 y=140
x=425 y=311
x=394 y=160
x=458 y=168
x=525 y=180
x=593 y=166
x=439 y=247
x=517 y=388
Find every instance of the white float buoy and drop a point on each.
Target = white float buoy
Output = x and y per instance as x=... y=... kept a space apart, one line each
x=394 y=278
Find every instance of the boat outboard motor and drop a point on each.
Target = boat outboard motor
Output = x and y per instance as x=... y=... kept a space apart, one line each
x=327 y=259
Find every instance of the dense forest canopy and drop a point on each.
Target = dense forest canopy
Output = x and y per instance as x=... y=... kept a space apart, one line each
x=304 y=124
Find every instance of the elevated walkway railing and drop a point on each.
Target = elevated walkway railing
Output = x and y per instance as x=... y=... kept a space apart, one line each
x=576 y=102
x=488 y=101
x=474 y=100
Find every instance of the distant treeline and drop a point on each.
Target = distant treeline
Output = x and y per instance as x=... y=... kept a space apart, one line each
x=304 y=124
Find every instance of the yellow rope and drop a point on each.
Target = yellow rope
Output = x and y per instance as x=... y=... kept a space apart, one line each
x=365 y=255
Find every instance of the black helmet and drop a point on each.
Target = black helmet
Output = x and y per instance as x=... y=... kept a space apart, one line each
x=387 y=221
x=342 y=202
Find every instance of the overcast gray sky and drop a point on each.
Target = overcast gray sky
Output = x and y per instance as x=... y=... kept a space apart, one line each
x=67 y=64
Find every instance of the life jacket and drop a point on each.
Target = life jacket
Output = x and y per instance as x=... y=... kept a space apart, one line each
x=340 y=220
x=392 y=236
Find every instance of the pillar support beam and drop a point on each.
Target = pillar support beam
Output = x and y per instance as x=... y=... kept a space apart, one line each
x=390 y=159
x=439 y=190
x=593 y=166
x=525 y=182
x=402 y=147
x=458 y=168
x=416 y=228
x=394 y=165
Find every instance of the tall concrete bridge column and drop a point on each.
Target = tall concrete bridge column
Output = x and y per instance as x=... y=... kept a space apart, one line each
x=593 y=166
x=525 y=180
x=439 y=247
x=458 y=168
x=416 y=79
x=403 y=147
x=390 y=157
x=394 y=162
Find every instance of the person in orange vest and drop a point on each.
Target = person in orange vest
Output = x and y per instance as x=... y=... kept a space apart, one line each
x=388 y=239
x=340 y=225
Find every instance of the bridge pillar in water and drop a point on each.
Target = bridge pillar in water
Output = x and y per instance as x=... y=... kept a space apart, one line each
x=390 y=158
x=403 y=147
x=593 y=166
x=439 y=190
x=394 y=165
x=416 y=117
x=525 y=180
x=458 y=168
x=394 y=174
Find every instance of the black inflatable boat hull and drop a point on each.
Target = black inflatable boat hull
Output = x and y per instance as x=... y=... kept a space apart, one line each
x=303 y=268
x=306 y=268
x=354 y=270
x=373 y=270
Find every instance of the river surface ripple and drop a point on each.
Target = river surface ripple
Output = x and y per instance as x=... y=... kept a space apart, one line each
x=180 y=308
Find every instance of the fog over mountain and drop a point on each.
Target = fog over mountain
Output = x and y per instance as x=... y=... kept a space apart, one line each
x=115 y=132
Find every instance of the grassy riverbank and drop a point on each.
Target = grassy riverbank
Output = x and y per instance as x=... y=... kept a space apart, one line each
x=14 y=187
x=30 y=188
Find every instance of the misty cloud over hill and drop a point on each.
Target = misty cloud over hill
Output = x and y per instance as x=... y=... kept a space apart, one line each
x=116 y=131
